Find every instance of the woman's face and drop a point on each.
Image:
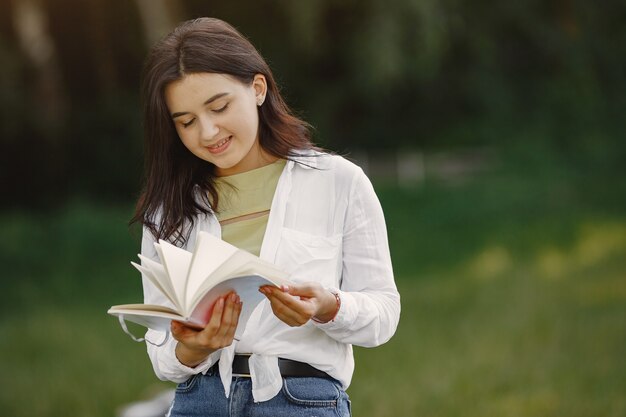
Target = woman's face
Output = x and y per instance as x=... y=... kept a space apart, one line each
x=216 y=118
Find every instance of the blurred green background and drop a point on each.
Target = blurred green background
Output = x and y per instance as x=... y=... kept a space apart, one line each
x=493 y=132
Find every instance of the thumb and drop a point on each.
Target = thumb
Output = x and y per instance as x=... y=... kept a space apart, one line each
x=301 y=290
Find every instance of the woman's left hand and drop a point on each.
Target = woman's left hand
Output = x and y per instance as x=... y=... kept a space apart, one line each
x=297 y=304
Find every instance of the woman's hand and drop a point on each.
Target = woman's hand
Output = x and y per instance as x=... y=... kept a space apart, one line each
x=195 y=345
x=297 y=304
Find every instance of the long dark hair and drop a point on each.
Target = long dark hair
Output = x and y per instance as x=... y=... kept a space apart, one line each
x=178 y=186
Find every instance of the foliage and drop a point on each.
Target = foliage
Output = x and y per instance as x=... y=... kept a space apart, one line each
x=367 y=74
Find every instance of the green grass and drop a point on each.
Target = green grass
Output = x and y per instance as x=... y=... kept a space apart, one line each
x=505 y=344
x=513 y=292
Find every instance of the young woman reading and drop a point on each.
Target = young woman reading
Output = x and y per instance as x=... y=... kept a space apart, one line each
x=225 y=155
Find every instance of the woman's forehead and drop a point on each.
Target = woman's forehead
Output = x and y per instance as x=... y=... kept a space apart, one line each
x=197 y=88
x=205 y=81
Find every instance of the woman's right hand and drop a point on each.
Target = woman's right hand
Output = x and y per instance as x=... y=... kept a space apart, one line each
x=195 y=345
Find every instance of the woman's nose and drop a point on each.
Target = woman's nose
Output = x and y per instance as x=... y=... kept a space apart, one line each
x=208 y=129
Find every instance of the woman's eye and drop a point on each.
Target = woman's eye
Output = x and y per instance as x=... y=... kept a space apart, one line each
x=221 y=109
x=187 y=124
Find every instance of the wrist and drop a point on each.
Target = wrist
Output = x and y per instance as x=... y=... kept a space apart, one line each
x=332 y=311
x=191 y=357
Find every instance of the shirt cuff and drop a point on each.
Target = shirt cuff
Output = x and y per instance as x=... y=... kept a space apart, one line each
x=345 y=316
x=176 y=371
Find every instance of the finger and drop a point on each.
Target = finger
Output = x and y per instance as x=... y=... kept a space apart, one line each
x=283 y=299
x=287 y=314
x=176 y=329
x=307 y=290
x=180 y=331
x=228 y=315
x=216 y=318
x=293 y=302
x=277 y=299
x=211 y=335
x=230 y=335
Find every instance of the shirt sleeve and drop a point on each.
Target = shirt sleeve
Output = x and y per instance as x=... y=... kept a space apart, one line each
x=370 y=302
x=161 y=345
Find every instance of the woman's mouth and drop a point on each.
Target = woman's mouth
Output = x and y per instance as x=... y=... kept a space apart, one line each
x=220 y=146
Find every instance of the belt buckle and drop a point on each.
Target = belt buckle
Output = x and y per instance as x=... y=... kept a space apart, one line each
x=242 y=375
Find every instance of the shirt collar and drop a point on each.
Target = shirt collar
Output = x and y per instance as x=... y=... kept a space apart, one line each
x=305 y=158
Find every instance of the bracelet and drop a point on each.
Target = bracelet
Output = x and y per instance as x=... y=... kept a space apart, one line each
x=338 y=299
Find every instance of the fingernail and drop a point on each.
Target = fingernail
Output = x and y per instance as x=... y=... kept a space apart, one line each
x=285 y=288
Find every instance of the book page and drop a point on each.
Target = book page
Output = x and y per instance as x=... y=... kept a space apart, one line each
x=144 y=307
x=245 y=263
x=209 y=254
x=247 y=287
x=242 y=264
x=176 y=262
x=151 y=316
x=164 y=287
x=160 y=275
x=257 y=266
x=223 y=272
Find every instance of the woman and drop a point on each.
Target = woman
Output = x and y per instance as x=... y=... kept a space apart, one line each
x=225 y=155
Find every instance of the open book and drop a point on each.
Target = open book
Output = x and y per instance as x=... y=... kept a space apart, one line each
x=193 y=281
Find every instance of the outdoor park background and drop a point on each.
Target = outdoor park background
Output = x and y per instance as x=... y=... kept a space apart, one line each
x=493 y=132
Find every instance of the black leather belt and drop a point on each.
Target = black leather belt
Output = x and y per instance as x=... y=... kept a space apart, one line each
x=288 y=368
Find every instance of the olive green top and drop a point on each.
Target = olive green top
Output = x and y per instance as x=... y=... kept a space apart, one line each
x=244 y=205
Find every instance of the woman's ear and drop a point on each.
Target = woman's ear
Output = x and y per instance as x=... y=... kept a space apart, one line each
x=259 y=83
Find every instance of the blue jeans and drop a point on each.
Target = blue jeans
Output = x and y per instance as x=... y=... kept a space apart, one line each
x=203 y=395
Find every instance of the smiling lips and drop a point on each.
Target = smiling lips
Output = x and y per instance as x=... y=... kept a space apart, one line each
x=220 y=146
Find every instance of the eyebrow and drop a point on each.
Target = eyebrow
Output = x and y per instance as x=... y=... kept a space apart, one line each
x=210 y=100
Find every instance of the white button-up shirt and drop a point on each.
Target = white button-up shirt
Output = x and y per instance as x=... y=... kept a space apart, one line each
x=326 y=225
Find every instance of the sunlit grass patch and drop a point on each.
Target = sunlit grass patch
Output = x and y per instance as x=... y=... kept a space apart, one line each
x=515 y=346
x=491 y=262
x=74 y=362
